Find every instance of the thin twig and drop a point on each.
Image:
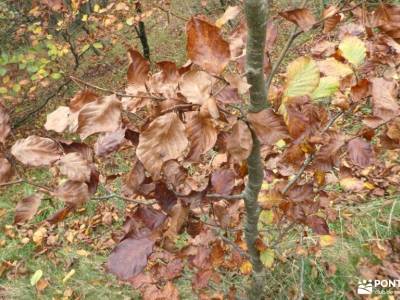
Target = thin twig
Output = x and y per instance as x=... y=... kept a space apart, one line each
x=311 y=157
x=113 y=195
x=114 y=92
x=169 y=12
x=20 y=181
x=225 y=197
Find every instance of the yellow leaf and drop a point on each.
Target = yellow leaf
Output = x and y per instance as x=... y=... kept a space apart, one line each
x=68 y=276
x=39 y=235
x=351 y=184
x=82 y=252
x=326 y=88
x=327 y=240
x=267 y=258
x=36 y=277
x=267 y=216
x=353 y=49
x=246 y=268
x=302 y=77
x=369 y=185
x=96 y=8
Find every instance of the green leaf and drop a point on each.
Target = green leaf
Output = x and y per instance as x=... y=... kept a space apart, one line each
x=326 y=88
x=3 y=90
x=56 y=76
x=36 y=277
x=16 y=87
x=353 y=49
x=98 y=45
x=3 y=71
x=267 y=216
x=302 y=77
x=84 y=48
x=267 y=257
x=32 y=69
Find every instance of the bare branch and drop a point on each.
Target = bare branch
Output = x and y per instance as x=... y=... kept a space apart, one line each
x=136 y=201
x=114 y=92
x=225 y=197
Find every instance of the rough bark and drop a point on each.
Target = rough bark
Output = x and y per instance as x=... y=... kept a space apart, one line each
x=256 y=16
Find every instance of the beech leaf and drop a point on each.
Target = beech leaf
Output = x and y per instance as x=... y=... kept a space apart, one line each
x=27 y=208
x=196 y=86
x=361 y=152
x=6 y=170
x=240 y=142
x=102 y=115
x=201 y=133
x=353 y=49
x=302 y=17
x=59 y=120
x=164 y=139
x=269 y=126
x=36 y=151
x=129 y=257
x=206 y=47
x=74 y=193
x=302 y=77
x=75 y=167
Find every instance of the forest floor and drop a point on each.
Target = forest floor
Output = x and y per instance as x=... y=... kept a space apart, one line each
x=72 y=264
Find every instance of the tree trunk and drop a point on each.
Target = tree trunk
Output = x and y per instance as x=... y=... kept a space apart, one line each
x=256 y=16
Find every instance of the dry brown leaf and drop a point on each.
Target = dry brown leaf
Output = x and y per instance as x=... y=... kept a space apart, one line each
x=361 y=152
x=27 y=208
x=81 y=99
x=302 y=17
x=205 y=46
x=164 y=139
x=384 y=103
x=129 y=258
x=268 y=126
x=74 y=193
x=6 y=171
x=59 y=120
x=109 y=142
x=332 y=18
x=102 y=115
x=201 y=133
x=75 y=167
x=240 y=142
x=36 y=151
x=223 y=181
x=196 y=86
x=138 y=69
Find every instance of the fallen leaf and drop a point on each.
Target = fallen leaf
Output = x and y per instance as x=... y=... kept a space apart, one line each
x=129 y=258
